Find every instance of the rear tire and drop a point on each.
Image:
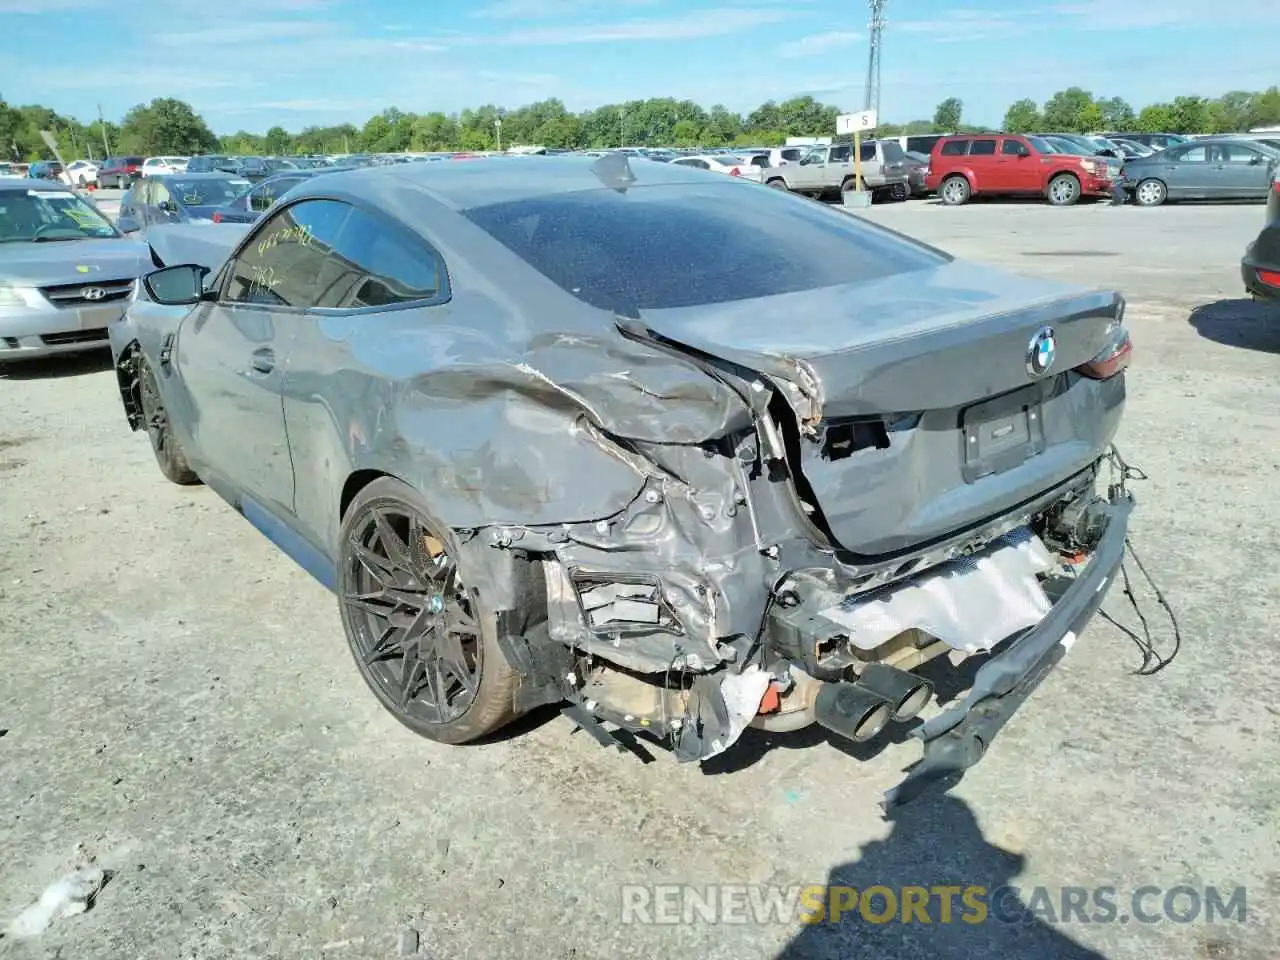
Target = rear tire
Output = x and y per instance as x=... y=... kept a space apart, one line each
x=955 y=191
x=1064 y=190
x=779 y=184
x=1150 y=193
x=169 y=453
x=424 y=642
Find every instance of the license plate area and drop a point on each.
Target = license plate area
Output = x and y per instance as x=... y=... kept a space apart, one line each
x=1002 y=433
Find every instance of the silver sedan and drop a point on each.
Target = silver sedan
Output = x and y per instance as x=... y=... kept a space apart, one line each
x=66 y=273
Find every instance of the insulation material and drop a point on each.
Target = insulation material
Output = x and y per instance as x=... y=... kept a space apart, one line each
x=742 y=693
x=971 y=604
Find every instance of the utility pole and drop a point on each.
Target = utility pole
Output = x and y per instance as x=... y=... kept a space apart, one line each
x=622 y=128
x=102 y=124
x=497 y=125
x=875 y=32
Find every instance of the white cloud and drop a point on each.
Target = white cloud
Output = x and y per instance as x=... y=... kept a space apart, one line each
x=550 y=9
x=246 y=33
x=820 y=43
x=717 y=22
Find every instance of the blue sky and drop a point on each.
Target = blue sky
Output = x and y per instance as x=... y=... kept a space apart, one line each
x=254 y=63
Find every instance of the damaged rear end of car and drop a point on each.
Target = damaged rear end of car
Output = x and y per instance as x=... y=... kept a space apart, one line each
x=910 y=461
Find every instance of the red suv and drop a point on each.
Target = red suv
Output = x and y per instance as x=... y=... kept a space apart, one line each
x=1007 y=165
x=119 y=171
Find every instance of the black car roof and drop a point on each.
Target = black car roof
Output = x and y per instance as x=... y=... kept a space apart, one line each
x=218 y=175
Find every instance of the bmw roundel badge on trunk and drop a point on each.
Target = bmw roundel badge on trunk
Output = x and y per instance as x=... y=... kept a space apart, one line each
x=1041 y=351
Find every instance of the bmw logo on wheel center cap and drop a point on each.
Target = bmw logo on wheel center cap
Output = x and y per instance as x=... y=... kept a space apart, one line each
x=1041 y=351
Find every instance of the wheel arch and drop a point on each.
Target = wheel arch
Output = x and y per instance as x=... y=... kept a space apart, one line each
x=964 y=174
x=513 y=584
x=127 y=381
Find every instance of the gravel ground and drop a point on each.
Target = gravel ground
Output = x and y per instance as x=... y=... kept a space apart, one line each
x=176 y=699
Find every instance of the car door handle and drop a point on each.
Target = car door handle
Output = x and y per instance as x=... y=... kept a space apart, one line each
x=263 y=360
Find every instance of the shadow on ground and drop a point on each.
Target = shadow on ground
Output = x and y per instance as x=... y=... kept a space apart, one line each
x=52 y=368
x=936 y=842
x=1239 y=323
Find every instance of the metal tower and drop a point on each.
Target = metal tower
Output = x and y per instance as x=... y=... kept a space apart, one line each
x=875 y=32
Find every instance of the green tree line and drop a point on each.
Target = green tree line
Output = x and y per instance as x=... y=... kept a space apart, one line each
x=169 y=126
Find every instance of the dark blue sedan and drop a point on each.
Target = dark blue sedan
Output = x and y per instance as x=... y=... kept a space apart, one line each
x=177 y=198
x=255 y=201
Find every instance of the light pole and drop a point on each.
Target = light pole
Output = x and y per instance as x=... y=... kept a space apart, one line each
x=622 y=128
x=497 y=125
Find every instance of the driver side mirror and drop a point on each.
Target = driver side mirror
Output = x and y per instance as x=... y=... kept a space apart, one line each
x=1255 y=159
x=126 y=224
x=178 y=286
x=168 y=206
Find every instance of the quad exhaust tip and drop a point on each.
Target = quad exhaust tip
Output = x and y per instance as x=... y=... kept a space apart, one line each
x=851 y=711
x=862 y=709
x=907 y=693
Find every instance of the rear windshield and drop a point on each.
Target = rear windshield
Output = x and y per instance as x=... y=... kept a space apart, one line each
x=660 y=247
x=893 y=152
x=132 y=161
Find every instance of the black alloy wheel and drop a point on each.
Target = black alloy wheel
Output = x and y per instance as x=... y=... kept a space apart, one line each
x=421 y=638
x=168 y=450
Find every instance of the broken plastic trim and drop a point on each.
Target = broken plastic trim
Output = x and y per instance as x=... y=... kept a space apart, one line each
x=957 y=738
x=615 y=603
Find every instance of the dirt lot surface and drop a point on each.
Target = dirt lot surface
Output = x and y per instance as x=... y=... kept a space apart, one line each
x=178 y=698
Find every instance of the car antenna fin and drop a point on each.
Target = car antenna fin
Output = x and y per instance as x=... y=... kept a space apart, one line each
x=614 y=171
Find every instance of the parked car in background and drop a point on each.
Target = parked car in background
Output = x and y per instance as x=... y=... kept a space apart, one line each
x=80 y=173
x=1260 y=267
x=254 y=201
x=827 y=171
x=729 y=164
x=1157 y=141
x=211 y=163
x=1203 y=170
x=153 y=166
x=1008 y=165
x=1132 y=149
x=45 y=170
x=65 y=272
x=686 y=421
x=917 y=167
x=1082 y=146
x=119 y=171
x=177 y=198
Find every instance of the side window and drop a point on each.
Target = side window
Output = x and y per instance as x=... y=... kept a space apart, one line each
x=814 y=157
x=1198 y=154
x=157 y=194
x=867 y=152
x=840 y=154
x=700 y=164
x=1237 y=153
x=954 y=148
x=376 y=264
x=982 y=148
x=1013 y=148
x=282 y=262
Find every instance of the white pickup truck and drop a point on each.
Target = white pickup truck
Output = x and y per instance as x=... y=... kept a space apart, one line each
x=828 y=171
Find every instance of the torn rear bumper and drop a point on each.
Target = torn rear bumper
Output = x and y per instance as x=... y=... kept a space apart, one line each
x=958 y=738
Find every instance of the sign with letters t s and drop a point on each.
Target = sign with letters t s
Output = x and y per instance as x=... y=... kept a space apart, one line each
x=848 y=123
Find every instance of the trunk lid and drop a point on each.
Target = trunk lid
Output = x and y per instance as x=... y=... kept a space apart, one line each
x=919 y=396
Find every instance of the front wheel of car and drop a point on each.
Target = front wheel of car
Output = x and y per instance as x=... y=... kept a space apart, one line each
x=1064 y=190
x=168 y=450
x=778 y=184
x=423 y=639
x=1151 y=193
x=955 y=191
